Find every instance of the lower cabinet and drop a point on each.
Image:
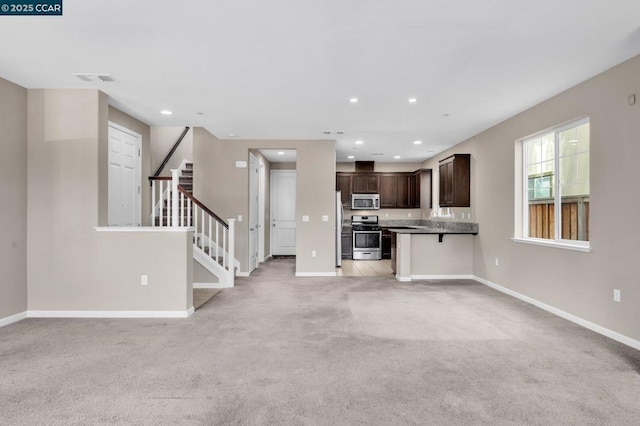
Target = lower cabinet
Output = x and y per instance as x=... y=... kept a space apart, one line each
x=386 y=244
x=347 y=245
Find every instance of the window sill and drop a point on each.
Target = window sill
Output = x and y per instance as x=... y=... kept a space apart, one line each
x=556 y=244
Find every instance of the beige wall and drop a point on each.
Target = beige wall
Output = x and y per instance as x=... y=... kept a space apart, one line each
x=225 y=188
x=71 y=266
x=578 y=283
x=162 y=140
x=13 y=193
x=118 y=117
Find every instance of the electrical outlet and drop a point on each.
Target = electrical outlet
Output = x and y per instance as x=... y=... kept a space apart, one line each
x=144 y=280
x=239 y=218
x=616 y=295
x=497 y=262
x=313 y=253
x=408 y=214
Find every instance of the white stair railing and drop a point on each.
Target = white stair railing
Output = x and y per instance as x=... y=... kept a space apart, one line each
x=214 y=239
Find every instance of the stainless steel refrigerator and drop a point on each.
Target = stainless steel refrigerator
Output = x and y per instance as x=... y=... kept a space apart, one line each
x=339 y=219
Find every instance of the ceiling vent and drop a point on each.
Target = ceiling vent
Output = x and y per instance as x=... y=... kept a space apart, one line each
x=105 y=78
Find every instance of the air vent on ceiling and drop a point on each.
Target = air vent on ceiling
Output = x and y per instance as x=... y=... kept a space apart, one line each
x=106 y=78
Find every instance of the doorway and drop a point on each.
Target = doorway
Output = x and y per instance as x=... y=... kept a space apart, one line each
x=124 y=194
x=283 y=212
x=254 y=211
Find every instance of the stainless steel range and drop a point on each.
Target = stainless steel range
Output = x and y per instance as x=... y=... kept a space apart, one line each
x=367 y=238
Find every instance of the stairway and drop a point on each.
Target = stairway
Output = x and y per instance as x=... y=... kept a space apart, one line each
x=214 y=238
x=186 y=181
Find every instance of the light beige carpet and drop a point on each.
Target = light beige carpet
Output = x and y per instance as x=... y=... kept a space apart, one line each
x=203 y=295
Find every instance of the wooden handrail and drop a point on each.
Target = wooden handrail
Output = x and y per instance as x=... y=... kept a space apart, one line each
x=202 y=206
x=159 y=177
x=175 y=146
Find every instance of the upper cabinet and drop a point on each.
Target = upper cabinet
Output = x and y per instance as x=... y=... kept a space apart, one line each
x=399 y=190
x=343 y=184
x=365 y=183
x=455 y=181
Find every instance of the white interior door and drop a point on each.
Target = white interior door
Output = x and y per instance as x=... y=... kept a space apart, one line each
x=283 y=212
x=124 y=177
x=254 y=207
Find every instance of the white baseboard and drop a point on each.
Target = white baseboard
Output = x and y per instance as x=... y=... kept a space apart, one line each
x=211 y=285
x=570 y=317
x=433 y=277
x=316 y=274
x=442 y=277
x=13 y=318
x=110 y=314
x=242 y=274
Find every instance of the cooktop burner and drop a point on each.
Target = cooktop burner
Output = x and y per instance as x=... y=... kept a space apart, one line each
x=365 y=223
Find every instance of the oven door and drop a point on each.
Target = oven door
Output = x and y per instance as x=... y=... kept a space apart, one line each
x=367 y=245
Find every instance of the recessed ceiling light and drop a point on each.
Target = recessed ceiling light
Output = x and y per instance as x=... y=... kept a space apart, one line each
x=446 y=114
x=396 y=157
x=417 y=142
x=326 y=132
x=413 y=100
x=280 y=152
x=232 y=135
x=200 y=113
x=353 y=100
x=351 y=157
x=378 y=153
x=165 y=112
x=340 y=133
x=359 y=142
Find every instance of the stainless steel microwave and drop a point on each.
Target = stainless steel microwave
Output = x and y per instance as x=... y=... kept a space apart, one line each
x=365 y=201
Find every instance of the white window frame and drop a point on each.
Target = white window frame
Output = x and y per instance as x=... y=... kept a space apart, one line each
x=521 y=230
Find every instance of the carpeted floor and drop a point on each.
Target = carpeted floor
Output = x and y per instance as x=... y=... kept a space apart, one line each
x=322 y=351
x=202 y=296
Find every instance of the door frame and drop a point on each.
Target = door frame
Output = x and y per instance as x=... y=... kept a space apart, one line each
x=138 y=137
x=254 y=205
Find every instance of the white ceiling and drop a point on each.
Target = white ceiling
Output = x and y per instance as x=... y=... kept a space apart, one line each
x=285 y=69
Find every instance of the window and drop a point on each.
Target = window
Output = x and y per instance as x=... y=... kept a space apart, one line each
x=556 y=186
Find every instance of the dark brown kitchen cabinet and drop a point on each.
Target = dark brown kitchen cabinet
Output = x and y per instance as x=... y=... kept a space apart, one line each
x=455 y=181
x=397 y=190
x=343 y=184
x=347 y=244
x=414 y=190
x=387 y=191
x=403 y=196
x=386 y=244
x=363 y=183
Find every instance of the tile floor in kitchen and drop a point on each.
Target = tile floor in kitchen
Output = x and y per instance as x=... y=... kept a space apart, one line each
x=365 y=268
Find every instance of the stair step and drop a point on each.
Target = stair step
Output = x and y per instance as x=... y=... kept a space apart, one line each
x=187 y=172
x=188 y=165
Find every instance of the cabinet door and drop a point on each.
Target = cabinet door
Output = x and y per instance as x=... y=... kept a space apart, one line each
x=346 y=246
x=343 y=184
x=402 y=191
x=386 y=244
x=387 y=191
x=446 y=184
x=414 y=190
x=364 y=183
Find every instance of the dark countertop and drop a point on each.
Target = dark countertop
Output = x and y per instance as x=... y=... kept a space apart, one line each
x=432 y=230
